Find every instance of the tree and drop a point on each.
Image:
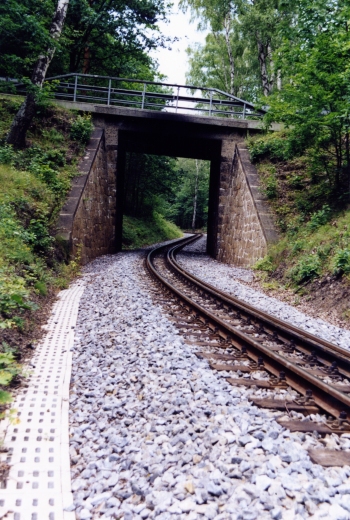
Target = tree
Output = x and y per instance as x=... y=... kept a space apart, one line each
x=209 y=66
x=314 y=101
x=26 y=112
x=99 y=36
x=189 y=205
x=250 y=32
x=219 y=16
x=103 y=35
x=24 y=32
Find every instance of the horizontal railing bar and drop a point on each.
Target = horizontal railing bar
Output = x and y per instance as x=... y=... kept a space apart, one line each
x=128 y=80
x=156 y=95
x=156 y=105
x=229 y=100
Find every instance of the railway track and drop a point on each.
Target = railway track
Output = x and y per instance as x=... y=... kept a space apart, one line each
x=255 y=349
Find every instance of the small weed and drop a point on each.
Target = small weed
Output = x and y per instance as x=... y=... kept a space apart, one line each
x=271 y=285
x=41 y=287
x=346 y=314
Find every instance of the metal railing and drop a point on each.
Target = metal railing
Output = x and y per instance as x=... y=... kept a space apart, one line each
x=150 y=95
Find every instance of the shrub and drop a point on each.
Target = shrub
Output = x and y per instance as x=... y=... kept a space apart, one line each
x=308 y=268
x=264 y=264
x=297 y=247
x=319 y=218
x=7 y=154
x=341 y=261
x=271 y=187
x=270 y=145
x=81 y=129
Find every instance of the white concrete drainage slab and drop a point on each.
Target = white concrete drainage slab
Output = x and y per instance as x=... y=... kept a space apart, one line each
x=39 y=483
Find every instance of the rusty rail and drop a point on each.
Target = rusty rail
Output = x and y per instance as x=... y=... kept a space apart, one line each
x=326 y=396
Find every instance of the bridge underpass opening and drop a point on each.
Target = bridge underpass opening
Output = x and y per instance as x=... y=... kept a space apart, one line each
x=133 y=146
x=159 y=187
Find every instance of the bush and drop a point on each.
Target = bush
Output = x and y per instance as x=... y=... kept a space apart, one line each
x=341 y=261
x=270 y=187
x=271 y=145
x=307 y=269
x=264 y=264
x=81 y=129
x=320 y=218
x=7 y=154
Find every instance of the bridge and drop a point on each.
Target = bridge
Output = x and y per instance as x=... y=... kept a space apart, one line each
x=163 y=119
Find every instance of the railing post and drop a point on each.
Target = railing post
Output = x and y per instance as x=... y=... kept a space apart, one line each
x=75 y=88
x=244 y=107
x=211 y=102
x=143 y=96
x=177 y=99
x=109 y=92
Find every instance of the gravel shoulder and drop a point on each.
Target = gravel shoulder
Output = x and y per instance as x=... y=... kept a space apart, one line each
x=242 y=284
x=155 y=433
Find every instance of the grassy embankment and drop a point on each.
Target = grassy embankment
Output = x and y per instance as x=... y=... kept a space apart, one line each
x=33 y=265
x=139 y=233
x=312 y=256
x=33 y=185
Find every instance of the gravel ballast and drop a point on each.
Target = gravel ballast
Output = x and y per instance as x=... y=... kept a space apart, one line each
x=155 y=433
x=226 y=277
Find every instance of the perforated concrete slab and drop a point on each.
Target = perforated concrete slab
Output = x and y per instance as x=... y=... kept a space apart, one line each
x=39 y=484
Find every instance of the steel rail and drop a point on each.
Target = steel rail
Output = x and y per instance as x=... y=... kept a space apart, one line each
x=306 y=340
x=326 y=396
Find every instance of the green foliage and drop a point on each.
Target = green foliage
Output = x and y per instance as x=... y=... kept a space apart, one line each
x=237 y=54
x=271 y=146
x=141 y=232
x=307 y=268
x=150 y=181
x=341 y=261
x=127 y=29
x=320 y=218
x=192 y=176
x=81 y=129
x=9 y=369
x=270 y=186
x=33 y=186
x=314 y=99
x=264 y=264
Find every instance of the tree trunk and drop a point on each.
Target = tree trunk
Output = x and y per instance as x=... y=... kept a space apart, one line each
x=86 y=62
x=25 y=114
x=227 y=26
x=263 y=52
x=195 y=198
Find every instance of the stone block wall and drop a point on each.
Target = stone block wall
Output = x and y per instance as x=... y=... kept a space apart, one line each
x=245 y=224
x=87 y=220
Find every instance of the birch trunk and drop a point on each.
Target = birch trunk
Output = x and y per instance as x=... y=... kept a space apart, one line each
x=227 y=26
x=25 y=114
x=195 y=198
